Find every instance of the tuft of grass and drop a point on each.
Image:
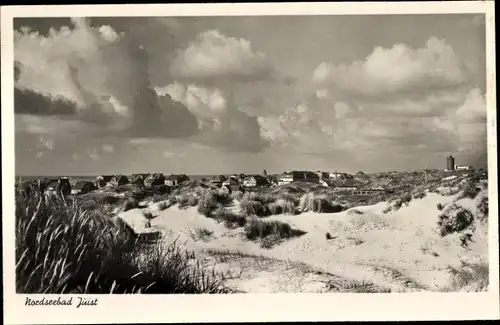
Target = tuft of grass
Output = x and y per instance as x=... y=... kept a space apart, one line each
x=420 y=195
x=257 y=229
x=483 y=209
x=469 y=277
x=440 y=206
x=254 y=208
x=468 y=190
x=322 y=203
x=283 y=206
x=61 y=248
x=202 y=234
x=231 y=220
x=193 y=200
x=130 y=204
x=455 y=218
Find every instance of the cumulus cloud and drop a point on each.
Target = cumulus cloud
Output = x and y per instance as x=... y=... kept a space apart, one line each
x=398 y=69
x=102 y=76
x=214 y=55
x=220 y=121
x=108 y=148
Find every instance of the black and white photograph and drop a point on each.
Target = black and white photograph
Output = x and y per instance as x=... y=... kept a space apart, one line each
x=250 y=154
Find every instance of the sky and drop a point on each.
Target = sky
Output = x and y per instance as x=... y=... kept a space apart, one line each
x=212 y=95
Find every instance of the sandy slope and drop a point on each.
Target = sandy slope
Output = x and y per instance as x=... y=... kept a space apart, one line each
x=400 y=250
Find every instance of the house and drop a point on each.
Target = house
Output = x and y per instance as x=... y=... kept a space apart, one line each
x=463 y=167
x=232 y=184
x=174 y=180
x=82 y=187
x=298 y=176
x=345 y=188
x=138 y=179
x=323 y=175
x=155 y=179
x=217 y=180
x=119 y=180
x=57 y=186
x=255 y=180
x=103 y=180
x=232 y=180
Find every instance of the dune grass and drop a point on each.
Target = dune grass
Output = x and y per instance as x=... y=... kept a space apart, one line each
x=469 y=277
x=269 y=232
x=61 y=248
x=322 y=203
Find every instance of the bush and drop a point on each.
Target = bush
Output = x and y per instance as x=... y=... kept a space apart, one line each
x=183 y=201
x=230 y=219
x=282 y=206
x=455 y=218
x=254 y=208
x=130 y=204
x=397 y=205
x=468 y=190
x=319 y=203
x=259 y=229
x=61 y=248
x=420 y=195
x=406 y=199
x=193 y=201
x=483 y=209
x=469 y=277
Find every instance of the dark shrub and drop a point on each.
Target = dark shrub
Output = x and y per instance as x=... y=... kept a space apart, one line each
x=454 y=218
x=440 y=206
x=130 y=204
x=468 y=190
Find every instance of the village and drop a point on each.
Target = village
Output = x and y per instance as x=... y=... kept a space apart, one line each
x=359 y=184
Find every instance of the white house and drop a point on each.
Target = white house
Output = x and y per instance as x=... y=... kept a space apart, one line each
x=462 y=167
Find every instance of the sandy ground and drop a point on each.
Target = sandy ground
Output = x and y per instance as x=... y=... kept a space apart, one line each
x=400 y=250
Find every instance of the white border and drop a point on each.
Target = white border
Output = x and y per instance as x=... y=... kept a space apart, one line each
x=248 y=307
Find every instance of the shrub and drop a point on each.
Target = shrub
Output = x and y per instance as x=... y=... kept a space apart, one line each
x=202 y=234
x=397 y=205
x=454 y=218
x=387 y=210
x=258 y=229
x=230 y=219
x=148 y=215
x=254 y=208
x=193 y=201
x=182 y=200
x=482 y=208
x=237 y=195
x=406 y=199
x=62 y=249
x=207 y=203
x=468 y=190
x=420 y=195
x=259 y=197
x=163 y=205
x=440 y=206
x=319 y=203
x=282 y=205
x=469 y=277
x=130 y=204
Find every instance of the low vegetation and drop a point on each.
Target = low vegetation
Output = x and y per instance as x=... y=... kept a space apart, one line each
x=454 y=218
x=61 y=248
x=270 y=231
x=469 y=277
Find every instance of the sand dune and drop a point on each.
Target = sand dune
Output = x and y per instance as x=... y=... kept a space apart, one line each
x=400 y=250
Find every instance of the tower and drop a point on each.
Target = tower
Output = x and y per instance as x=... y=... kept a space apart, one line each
x=450 y=163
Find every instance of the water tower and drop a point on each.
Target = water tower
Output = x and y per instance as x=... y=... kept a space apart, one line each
x=450 y=163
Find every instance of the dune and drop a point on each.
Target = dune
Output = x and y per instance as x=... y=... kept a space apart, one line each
x=399 y=251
